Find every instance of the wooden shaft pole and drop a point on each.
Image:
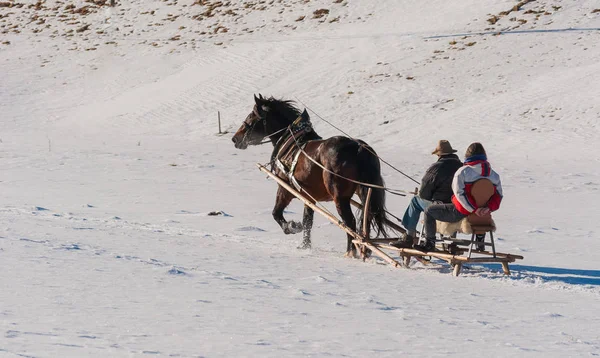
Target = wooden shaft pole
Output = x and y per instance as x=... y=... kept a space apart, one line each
x=381 y=254
x=414 y=252
x=366 y=214
x=389 y=223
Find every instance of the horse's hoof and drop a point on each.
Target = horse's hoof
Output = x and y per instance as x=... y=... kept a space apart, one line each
x=305 y=245
x=292 y=227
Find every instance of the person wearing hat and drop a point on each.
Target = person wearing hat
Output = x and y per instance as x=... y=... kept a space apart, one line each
x=475 y=167
x=435 y=188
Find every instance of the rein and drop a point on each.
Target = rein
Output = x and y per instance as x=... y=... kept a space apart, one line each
x=250 y=129
x=270 y=135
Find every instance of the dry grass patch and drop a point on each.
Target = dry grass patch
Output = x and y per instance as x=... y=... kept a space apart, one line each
x=317 y=14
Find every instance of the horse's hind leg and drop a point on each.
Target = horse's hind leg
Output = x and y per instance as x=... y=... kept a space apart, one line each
x=282 y=201
x=307 y=223
x=343 y=207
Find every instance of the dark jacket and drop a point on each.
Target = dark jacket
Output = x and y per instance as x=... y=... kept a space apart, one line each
x=437 y=181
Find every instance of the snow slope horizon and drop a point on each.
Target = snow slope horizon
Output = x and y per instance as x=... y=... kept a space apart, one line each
x=111 y=163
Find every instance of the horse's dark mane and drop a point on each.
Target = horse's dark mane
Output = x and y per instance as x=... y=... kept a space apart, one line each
x=286 y=108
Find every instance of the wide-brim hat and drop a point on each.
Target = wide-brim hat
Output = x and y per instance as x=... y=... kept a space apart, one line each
x=443 y=147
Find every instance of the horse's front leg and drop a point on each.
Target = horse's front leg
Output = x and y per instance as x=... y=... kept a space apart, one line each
x=282 y=201
x=307 y=223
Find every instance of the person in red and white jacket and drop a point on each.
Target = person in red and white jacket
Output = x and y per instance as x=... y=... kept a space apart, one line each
x=475 y=167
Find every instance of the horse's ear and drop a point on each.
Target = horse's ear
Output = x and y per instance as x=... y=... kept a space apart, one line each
x=304 y=115
x=261 y=104
x=262 y=107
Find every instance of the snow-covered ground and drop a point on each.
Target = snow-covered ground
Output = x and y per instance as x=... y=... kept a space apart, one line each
x=111 y=164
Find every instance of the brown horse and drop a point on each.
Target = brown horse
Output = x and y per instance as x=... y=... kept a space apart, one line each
x=347 y=157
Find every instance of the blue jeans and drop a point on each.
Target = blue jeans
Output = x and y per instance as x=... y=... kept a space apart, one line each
x=413 y=213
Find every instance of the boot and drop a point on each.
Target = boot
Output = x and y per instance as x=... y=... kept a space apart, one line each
x=429 y=245
x=405 y=242
x=480 y=238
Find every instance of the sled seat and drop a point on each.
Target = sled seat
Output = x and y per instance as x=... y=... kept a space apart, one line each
x=482 y=191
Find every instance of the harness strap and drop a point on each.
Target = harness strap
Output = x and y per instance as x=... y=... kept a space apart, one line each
x=293 y=166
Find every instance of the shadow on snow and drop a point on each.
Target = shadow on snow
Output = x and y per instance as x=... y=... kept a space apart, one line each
x=555 y=274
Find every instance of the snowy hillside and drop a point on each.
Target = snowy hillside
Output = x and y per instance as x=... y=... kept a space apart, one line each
x=111 y=166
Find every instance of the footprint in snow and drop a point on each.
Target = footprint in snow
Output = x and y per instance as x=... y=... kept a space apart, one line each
x=11 y=334
x=87 y=337
x=262 y=343
x=535 y=231
x=71 y=247
x=322 y=279
x=250 y=228
x=553 y=315
x=303 y=292
x=186 y=212
x=267 y=284
x=34 y=241
x=177 y=272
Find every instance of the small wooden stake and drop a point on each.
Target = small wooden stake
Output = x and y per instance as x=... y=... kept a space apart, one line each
x=219 y=117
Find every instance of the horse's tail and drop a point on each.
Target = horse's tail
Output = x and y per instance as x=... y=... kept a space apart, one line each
x=369 y=171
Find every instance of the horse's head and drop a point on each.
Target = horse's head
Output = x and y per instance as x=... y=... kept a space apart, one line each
x=268 y=117
x=254 y=128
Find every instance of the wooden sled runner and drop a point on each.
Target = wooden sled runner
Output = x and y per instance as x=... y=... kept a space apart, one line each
x=455 y=252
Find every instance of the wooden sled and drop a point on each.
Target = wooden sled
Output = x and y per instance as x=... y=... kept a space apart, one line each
x=380 y=247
